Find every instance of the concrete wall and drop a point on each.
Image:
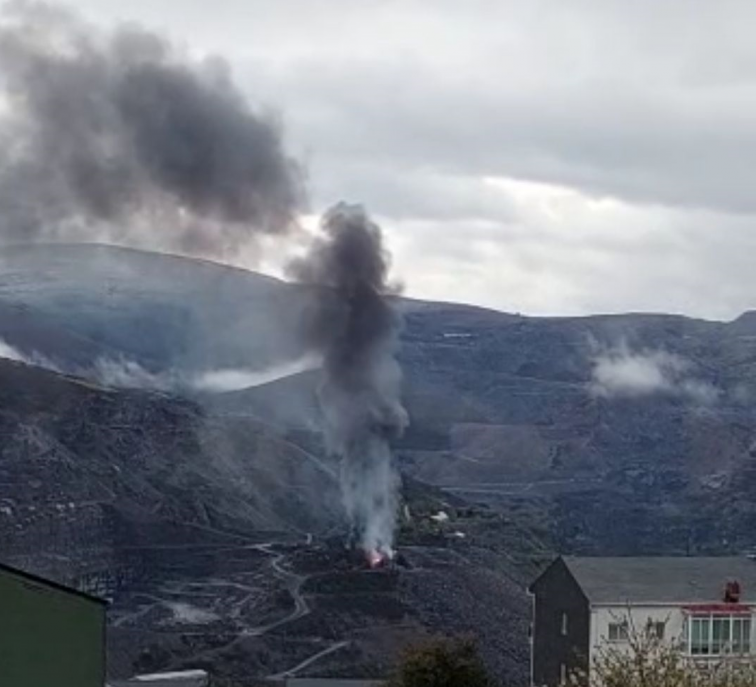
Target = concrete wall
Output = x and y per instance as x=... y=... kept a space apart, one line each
x=637 y=617
x=49 y=637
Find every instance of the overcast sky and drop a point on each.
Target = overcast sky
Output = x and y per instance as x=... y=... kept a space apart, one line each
x=542 y=157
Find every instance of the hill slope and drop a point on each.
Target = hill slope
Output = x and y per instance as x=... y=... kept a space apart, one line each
x=609 y=434
x=504 y=408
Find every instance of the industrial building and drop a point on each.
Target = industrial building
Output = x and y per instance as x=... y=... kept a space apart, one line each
x=50 y=634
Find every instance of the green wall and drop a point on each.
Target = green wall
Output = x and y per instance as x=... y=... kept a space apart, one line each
x=48 y=637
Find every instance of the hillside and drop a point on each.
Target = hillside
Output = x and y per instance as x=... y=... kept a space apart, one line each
x=156 y=309
x=210 y=533
x=504 y=408
x=88 y=470
x=213 y=517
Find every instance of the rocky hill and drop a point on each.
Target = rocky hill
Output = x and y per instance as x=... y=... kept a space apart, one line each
x=210 y=533
x=210 y=511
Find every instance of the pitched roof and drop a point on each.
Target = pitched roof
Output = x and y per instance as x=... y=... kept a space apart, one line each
x=52 y=584
x=662 y=579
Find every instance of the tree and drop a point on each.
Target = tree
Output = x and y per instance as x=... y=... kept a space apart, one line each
x=442 y=662
x=648 y=661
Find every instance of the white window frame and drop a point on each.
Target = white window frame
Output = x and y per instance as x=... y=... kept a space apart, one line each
x=623 y=634
x=710 y=617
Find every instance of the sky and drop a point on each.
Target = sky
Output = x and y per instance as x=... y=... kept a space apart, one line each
x=543 y=157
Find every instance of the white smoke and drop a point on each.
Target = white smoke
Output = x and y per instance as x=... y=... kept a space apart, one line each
x=124 y=373
x=128 y=374
x=225 y=380
x=10 y=353
x=620 y=372
x=33 y=358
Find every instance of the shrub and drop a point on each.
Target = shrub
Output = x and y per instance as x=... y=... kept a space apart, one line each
x=650 y=662
x=441 y=662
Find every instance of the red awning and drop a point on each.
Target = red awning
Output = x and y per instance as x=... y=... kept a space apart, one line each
x=720 y=609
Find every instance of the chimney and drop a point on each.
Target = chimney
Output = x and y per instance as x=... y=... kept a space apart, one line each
x=732 y=592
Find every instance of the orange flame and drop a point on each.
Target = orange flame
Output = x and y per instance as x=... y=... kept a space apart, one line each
x=375 y=558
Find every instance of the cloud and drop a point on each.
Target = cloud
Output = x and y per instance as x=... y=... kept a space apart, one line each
x=622 y=138
x=620 y=372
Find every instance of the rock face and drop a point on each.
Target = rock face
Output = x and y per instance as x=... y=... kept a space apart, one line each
x=206 y=515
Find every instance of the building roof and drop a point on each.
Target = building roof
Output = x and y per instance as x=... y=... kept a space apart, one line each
x=677 y=580
x=35 y=579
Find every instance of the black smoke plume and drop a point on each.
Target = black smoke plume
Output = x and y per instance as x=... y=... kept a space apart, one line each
x=354 y=328
x=119 y=137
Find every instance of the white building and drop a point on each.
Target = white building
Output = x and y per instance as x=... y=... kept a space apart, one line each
x=702 y=606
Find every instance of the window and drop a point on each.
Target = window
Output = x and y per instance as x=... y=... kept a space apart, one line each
x=700 y=634
x=563 y=674
x=741 y=636
x=708 y=635
x=720 y=635
x=564 y=623
x=618 y=632
x=655 y=629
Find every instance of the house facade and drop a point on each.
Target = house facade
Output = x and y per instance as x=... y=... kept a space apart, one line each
x=703 y=607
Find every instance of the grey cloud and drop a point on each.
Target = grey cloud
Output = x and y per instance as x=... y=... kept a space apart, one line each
x=613 y=97
x=646 y=102
x=412 y=193
x=669 y=147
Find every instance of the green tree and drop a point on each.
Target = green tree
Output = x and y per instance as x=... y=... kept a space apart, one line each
x=442 y=662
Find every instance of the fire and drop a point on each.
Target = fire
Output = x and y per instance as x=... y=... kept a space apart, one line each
x=376 y=558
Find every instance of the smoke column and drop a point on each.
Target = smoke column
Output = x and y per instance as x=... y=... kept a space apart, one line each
x=353 y=327
x=118 y=137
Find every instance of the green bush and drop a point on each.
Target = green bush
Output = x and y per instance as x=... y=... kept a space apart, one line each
x=441 y=662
